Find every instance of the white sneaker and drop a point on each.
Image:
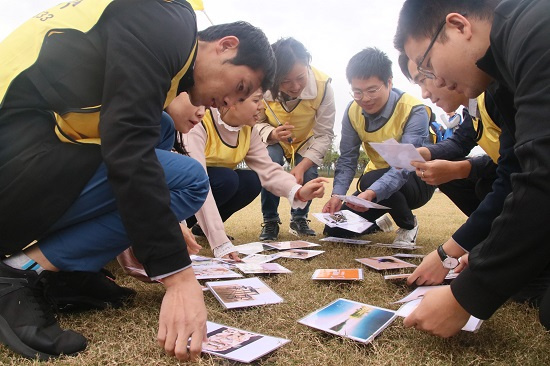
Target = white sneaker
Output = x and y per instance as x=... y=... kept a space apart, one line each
x=384 y=223
x=407 y=237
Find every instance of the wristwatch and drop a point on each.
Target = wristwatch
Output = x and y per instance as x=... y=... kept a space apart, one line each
x=447 y=261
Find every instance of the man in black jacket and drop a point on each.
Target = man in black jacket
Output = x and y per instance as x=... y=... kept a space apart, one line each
x=465 y=45
x=84 y=169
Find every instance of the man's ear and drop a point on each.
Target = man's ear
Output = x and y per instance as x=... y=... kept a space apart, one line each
x=229 y=43
x=457 y=22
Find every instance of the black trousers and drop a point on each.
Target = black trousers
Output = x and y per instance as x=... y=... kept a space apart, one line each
x=467 y=194
x=415 y=193
x=232 y=190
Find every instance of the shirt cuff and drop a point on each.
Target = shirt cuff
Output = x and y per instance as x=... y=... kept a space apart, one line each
x=294 y=201
x=160 y=277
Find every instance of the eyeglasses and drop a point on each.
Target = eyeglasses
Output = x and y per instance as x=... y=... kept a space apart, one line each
x=370 y=93
x=427 y=73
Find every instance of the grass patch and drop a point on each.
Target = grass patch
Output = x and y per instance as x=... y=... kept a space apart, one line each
x=128 y=336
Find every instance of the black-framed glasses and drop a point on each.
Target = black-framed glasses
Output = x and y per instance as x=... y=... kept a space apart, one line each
x=371 y=93
x=427 y=73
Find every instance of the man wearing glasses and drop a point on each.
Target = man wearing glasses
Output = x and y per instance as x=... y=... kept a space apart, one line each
x=380 y=112
x=504 y=43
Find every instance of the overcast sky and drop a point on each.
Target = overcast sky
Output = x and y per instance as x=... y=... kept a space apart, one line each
x=331 y=31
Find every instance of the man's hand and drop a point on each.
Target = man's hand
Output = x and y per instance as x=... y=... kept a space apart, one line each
x=429 y=272
x=333 y=204
x=438 y=313
x=437 y=172
x=313 y=189
x=368 y=195
x=192 y=246
x=234 y=256
x=182 y=315
x=281 y=133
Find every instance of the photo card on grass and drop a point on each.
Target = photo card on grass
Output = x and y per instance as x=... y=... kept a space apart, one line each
x=300 y=253
x=296 y=244
x=350 y=319
x=347 y=274
x=385 y=263
x=260 y=258
x=214 y=271
x=334 y=239
x=262 y=268
x=243 y=293
x=237 y=344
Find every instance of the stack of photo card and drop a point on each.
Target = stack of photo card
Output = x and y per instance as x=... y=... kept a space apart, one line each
x=350 y=319
x=262 y=268
x=348 y=274
x=214 y=271
x=296 y=244
x=237 y=344
x=243 y=293
x=412 y=300
x=385 y=263
x=404 y=276
x=344 y=219
x=334 y=239
x=260 y=258
x=361 y=202
x=300 y=253
x=251 y=248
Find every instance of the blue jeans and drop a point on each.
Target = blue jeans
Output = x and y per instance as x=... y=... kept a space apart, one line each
x=270 y=202
x=91 y=233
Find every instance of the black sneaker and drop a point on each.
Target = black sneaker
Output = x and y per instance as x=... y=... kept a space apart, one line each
x=270 y=230
x=27 y=323
x=300 y=227
x=78 y=291
x=197 y=231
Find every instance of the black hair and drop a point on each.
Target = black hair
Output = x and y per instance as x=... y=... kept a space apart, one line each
x=421 y=18
x=254 y=49
x=403 y=62
x=288 y=51
x=368 y=63
x=178 y=144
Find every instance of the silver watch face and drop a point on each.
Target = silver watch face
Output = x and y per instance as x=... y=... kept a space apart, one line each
x=450 y=263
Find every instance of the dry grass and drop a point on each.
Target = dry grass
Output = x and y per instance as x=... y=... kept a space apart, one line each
x=127 y=337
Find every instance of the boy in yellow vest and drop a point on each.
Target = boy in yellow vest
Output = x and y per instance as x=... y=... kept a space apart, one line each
x=84 y=166
x=380 y=112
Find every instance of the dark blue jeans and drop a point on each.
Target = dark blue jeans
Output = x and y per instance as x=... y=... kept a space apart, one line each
x=90 y=233
x=270 y=202
x=232 y=190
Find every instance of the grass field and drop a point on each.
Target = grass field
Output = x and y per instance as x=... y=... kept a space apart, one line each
x=128 y=336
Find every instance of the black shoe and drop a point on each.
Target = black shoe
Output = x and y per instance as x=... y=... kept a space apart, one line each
x=300 y=227
x=197 y=231
x=270 y=230
x=27 y=323
x=78 y=291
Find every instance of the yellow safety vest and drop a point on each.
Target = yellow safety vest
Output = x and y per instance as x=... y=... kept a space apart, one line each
x=393 y=128
x=302 y=117
x=488 y=132
x=81 y=125
x=217 y=152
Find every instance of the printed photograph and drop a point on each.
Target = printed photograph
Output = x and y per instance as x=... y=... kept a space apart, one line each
x=244 y=292
x=348 y=274
x=385 y=263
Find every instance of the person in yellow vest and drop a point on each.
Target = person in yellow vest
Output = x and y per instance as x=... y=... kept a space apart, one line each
x=472 y=184
x=298 y=128
x=466 y=181
x=84 y=166
x=380 y=112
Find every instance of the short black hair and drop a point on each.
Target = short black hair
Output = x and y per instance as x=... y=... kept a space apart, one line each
x=368 y=63
x=403 y=62
x=421 y=18
x=254 y=49
x=288 y=51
